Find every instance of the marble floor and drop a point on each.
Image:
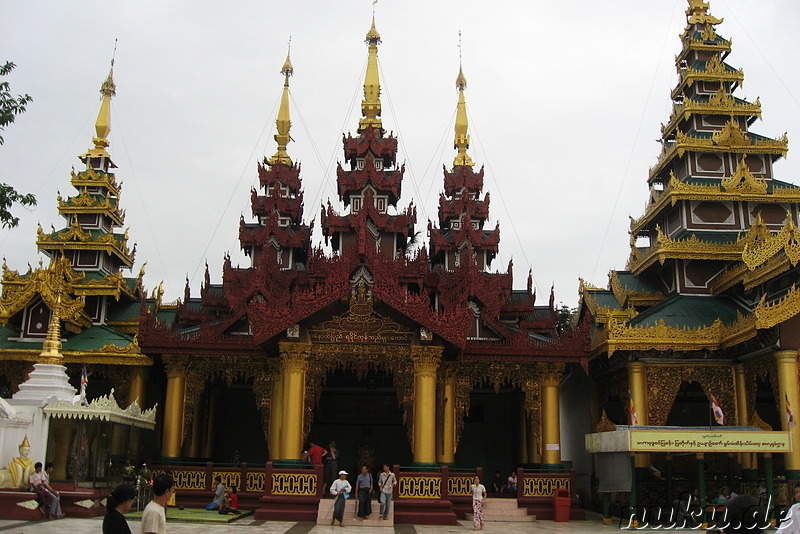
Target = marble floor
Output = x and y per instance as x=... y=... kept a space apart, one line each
x=593 y=525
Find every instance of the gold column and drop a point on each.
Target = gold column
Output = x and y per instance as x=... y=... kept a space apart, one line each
x=208 y=445
x=197 y=431
x=294 y=361
x=174 y=405
x=786 y=362
x=426 y=362
x=446 y=454
x=742 y=415
x=637 y=383
x=532 y=414
x=275 y=413
x=138 y=385
x=551 y=427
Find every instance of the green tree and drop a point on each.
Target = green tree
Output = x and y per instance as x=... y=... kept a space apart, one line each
x=10 y=107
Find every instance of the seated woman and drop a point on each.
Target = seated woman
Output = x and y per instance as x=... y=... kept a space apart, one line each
x=230 y=505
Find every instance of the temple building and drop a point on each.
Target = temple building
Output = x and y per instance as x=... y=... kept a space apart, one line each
x=706 y=310
x=97 y=305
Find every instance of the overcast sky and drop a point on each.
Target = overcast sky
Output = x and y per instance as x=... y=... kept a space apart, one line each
x=565 y=101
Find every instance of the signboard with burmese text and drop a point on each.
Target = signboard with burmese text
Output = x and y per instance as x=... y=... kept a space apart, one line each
x=709 y=441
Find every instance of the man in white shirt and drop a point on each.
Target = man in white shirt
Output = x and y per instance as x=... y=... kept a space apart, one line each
x=341 y=488
x=154 y=517
x=386 y=483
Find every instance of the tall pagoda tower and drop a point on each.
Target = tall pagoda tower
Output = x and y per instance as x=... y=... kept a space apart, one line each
x=373 y=181
x=98 y=303
x=707 y=303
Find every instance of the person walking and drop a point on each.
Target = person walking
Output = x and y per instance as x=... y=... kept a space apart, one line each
x=364 y=490
x=386 y=483
x=478 y=496
x=341 y=489
x=154 y=516
x=117 y=505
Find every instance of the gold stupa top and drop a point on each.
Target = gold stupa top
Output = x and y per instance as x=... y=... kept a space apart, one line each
x=283 y=122
x=461 y=142
x=102 y=125
x=51 y=349
x=371 y=105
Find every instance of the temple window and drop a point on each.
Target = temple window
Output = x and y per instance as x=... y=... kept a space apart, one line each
x=455 y=225
x=457 y=194
x=476 y=224
x=360 y=164
x=378 y=164
x=457 y=261
x=380 y=204
x=284 y=221
x=356 y=204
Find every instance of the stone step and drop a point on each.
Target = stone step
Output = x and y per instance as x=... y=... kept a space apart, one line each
x=503 y=518
x=500 y=504
x=325 y=514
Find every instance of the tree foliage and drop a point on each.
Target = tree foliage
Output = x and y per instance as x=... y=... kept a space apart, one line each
x=10 y=107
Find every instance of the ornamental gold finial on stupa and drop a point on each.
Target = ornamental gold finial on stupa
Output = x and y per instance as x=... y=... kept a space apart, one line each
x=697 y=13
x=283 y=122
x=461 y=142
x=371 y=105
x=102 y=125
x=51 y=349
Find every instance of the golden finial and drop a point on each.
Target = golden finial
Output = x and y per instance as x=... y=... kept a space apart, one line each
x=25 y=442
x=103 y=124
x=283 y=122
x=461 y=142
x=51 y=349
x=371 y=105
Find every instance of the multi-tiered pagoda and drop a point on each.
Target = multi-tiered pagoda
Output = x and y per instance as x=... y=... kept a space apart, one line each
x=706 y=308
x=321 y=339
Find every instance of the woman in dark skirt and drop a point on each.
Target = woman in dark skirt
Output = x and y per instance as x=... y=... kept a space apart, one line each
x=118 y=504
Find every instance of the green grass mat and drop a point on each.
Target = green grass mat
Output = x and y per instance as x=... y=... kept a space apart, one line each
x=194 y=515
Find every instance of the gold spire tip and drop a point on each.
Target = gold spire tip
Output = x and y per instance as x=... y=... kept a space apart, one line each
x=287 y=69
x=373 y=37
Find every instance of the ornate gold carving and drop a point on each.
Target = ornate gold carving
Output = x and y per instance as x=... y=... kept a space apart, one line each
x=426 y=360
x=420 y=487
x=743 y=180
x=605 y=424
x=662 y=337
x=539 y=486
x=715 y=69
x=361 y=324
x=629 y=298
x=185 y=479
x=229 y=478
x=787 y=240
x=770 y=314
x=664 y=381
x=300 y=484
x=720 y=103
x=95 y=178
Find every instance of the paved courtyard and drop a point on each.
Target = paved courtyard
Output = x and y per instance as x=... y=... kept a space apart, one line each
x=245 y=526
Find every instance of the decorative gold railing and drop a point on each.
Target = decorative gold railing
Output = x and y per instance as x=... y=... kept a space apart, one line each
x=254 y=482
x=459 y=485
x=420 y=487
x=300 y=484
x=537 y=486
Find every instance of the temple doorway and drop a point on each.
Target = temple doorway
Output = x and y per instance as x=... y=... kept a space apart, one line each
x=360 y=412
x=491 y=434
x=230 y=429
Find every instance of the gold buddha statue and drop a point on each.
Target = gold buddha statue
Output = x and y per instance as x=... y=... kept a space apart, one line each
x=21 y=467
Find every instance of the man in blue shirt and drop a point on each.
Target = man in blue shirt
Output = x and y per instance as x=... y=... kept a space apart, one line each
x=364 y=491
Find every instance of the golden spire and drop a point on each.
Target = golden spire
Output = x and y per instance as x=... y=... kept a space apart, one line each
x=51 y=349
x=103 y=124
x=462 y=137
x=371 y=105
x=283 y=122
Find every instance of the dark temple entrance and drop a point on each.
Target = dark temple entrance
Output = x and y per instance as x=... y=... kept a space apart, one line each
x=363 y=417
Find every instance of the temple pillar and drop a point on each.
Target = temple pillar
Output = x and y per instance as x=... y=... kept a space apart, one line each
x=174 y=406
x=551 y=426
x=743 y=418
x=637 y=383
x=294 y=362
x=532 y=415
x=195 y=445
x=786 y=363
x=275 y=413
x=208 y=441
x=426 y=363
x=447 y=450
x=138 y=385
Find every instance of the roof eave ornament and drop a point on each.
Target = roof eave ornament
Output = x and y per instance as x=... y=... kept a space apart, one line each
x=697 y=13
